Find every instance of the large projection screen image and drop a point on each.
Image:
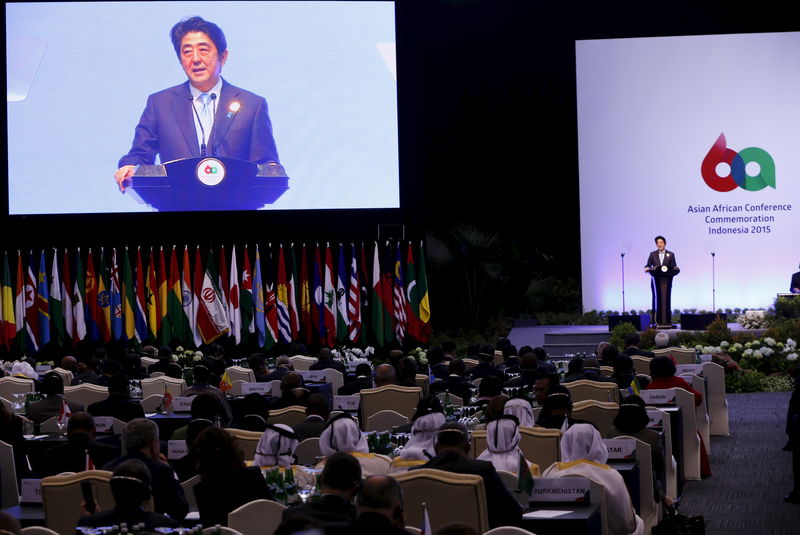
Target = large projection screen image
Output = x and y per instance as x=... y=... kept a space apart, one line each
x=695 y=138
x=307 y=87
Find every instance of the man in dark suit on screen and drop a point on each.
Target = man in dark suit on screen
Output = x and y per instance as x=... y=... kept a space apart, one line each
x=794 y=286
x=203 y=116
x=662 y=261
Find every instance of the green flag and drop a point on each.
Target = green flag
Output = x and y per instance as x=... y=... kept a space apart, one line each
x=525 y=479
x=424 y=316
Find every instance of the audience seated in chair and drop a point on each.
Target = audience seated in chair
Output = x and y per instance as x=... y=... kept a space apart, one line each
x=202 y=385
x=131 y=487
x=380 y=508
x=425 y=423
x=342 y=435
x=406 y=372
x=317 y=414
x=325 y=361
x=590 y=371
x=384 y=375
x=490 y=387
x=11 y=432
x=88 y=369
x=276 y=447
x=529 y=371
x=584 y=454
x=340 y=481
x=436 y=361
x=632 y=342
x=118 y=404
x=511 y=358
x=452 y=447
x=142 y=443
x=502 y=440
x=623 y=371
x=255 y=413
x=609 y=355
x=282 y=366
x=225 y=482
x=186 y=467
x=52 y=387
x=108 y=369
x=544 y=382
x=486 y=368
x=293 y=392
x=455 y=382
x=363 y=380
x=204 y=407
x=557 y=410
x=521 y=408
x=81 y=451
x=164 y=360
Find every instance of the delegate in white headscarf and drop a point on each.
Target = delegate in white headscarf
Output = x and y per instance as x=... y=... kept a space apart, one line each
x=502 y=440
x=342 y=435
x=421 y=445
x=24 y=369
x=520 y=408
x=583 y=441
x=276 y=446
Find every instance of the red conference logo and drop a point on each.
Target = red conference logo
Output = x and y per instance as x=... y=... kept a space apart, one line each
x=736 y=165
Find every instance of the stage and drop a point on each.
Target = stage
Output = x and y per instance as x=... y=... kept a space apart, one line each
x=559 y=340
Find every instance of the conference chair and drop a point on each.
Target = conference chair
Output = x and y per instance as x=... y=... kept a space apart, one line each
x=302 y=362
x=238 y=373
x=236 y=388
x=15 y=385
x=384 y=421
x=9 y=405
x=498 y=358
x=290 y=416
x=641 y=364
x=402 y=399
x=66 y=375
x=681 y=355
x=85 y=393
x=717 y=403
x=650 y=511
x=596 y=390
x=469 y=363
x=188 y=491
x=691 y=441
x=508 y=530
x=307 y=451
x=448 y=498
x=155 y=375
x=219 y=530
x=247 y=441
x=259 y=517
x=600 y=413
x=9 y=493
x=540 y=446
x=146 y=362
x=158 y=385
x=606 y=371
x=335 y=378
x=701 y=411
x=62 y=496
x=50 y=425
x=477 y=443
x=424 y=382
x=37 y=530
x=151 y=403
x=454 y=400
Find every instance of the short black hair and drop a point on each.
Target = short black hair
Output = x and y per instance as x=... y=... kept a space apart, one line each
x=206 y=406
x=540 y=353
x=660 y=238
x=435 y=355
x=380 y=492
x=632 y=339
x=490 y=386
x=130 y=483
x=363 y=370
x=318 y=404
x=198 y=24
x=609 y=353
x=662 y=367
x=202 y=375
x=457 y=367
x=473 y=349
x=509 y=351
x=118 y=384
x=342 y=471
x=452 y=434
x=427 y=405
x=80 y=422
x=52 y=384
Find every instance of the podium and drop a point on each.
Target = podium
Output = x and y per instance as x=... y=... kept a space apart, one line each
x=207 y=184
x=661 y=288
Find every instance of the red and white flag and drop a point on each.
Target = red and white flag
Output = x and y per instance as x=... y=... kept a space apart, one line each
x=64 y=413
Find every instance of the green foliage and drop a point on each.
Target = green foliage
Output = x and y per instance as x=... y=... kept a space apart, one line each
x=778 y=383
x=686 y=338
x=788 y=328
x=787 y=307
x=742 y=337
x=744 y=381
x=717 y=332
x=648 y=338
x=619 y=333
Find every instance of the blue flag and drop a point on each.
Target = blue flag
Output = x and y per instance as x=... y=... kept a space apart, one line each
x=43 y=302
x=116 y=299
x=258 y=301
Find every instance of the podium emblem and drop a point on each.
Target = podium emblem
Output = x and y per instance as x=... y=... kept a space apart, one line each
x=210 y=172
x=664 y=269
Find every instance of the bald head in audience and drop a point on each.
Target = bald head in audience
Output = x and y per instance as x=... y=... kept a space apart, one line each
x=382 y=495
x=384 y=375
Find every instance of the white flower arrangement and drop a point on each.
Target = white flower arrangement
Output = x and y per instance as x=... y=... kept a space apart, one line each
x=699 y=347
x=791 y=356
x=790 y=344
x=752 y=319
x=769 y=341
x=198 y=357
x=737 y=347
x=757 y=354
x=710 y=350
x=766 y=351
x=747 y=352
x=724 y=344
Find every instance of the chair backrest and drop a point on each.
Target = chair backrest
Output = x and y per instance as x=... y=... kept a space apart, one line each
x=307 y=451
x=147 y=361
x=188 y=491
x=508 y=530
x=606 y=371
x=247 y=441
x=448 y=497
x=600 y=413
x=424 y=382
x=596 y=390
x=157 y=385
x=37 y=530
x=50 y=425
x=9 y=493
x=454 y=400
x=290 y=416
x=222 y=530
x=259 y=517
x=478 y=444
x=691 y=441
x=402 y=399
x=413 y=530
x=649 y=510
x=86 y=393
x=681 y=355
x=384 y=421
x=62 y=496
x=701 y=411
x=152 y=402
x=66 y=375
x=469 y=363
x=156 y=375
x=540 y=445
x=335 y=378
x=276 y=387
x=15 y=385
x=301 y=362
x=498 y=358
x=641 y=364
x=717 y=403
x=509 y=479
x=238 y=373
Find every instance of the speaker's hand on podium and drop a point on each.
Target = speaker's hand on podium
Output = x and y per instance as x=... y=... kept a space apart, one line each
x=122 y=175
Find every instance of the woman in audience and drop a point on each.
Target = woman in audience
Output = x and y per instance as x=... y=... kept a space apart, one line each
x=342 y=435
x=584 y=454
x=225 y=482
x=502 y=441
x=521 y=408
x=186 y=467
x=420 y=448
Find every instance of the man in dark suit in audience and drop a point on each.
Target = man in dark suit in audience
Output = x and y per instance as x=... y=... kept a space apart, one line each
x=317 y=414
x=632 y=342
x=142 y=443
x=164 y=360
x=339 y=483
x=511 y=358
x=87 y=371
x=81 y=452
x=486 y=368
x=257 y=363
x=380 y=507
x=590 y=372
x=282 y=366
x=118 y=403
x=449 y=349
x=455 y=383
x=437 y=363
x=363 y=380
x=384 y=375
x=52 y=386
x=452 y=447
x=293 y=392
x=325 y=361
x=529 y=371
x=108 y=369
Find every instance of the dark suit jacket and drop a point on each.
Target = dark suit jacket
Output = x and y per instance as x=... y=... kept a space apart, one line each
x=275 y=375
x=41 y=410
x=375 y=524
x=116 y=406
x=485 y=369
x=631 y=351
x=168 y=495
x=795 y=281
x=355 y=387
x=118 y=516
x=328 y=510
x=167 y=128
x=220 y=493
x=329 y=364
x=503 y=509
x=71 y=457
x=669 y=259
x=311 y=428
x=457 y=387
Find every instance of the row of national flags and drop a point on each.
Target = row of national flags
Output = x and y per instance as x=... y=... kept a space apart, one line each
x=356 y=294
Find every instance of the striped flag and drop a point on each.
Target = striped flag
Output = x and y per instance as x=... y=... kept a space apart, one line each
x=258 y=302
x=291 y=287
x=353 y=299
x=78 y=301
x=425 y=528
x=377 y=299
x=163 y=319
x=223 y=281
x=305 y=298
x=197 y=289
x=31 y=314
x=424 y=326
x=19 y=302
x=212 y=314
x=151 y=298
x=399 y=298
x=43 y=302
x=282 y=301
x=103 y=299
x=188 y=300
x=128 y=300
x=270 y=303
x=92 y=305
x=246 y=295
x=342 y=316
x=55 y=304
x=364 y=292
x=9 y=323
x=140 y=309
x=317 y=306
x=412 y=296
